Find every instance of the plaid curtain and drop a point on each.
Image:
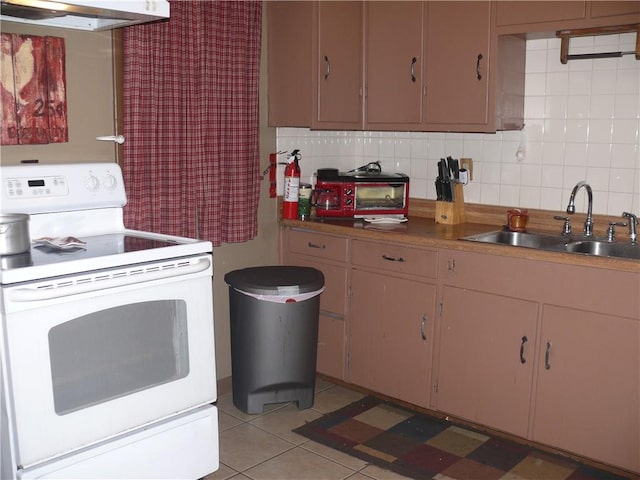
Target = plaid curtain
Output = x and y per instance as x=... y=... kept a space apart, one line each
x=191 y=159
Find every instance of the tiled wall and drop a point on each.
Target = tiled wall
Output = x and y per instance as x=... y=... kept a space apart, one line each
x=582 y=123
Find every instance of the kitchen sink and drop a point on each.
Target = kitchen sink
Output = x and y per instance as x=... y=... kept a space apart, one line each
x=605 y=249
x=559 y=243
x=522 y=239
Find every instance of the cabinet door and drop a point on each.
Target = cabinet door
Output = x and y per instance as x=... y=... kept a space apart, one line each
x=458 y=63
x=610 y=9
x=523 y=13
x=391 y=335
x=290 y=63
x=588 y=387
x=337 y=82
x=331 y=324
x=394 y=64
x=486 y=358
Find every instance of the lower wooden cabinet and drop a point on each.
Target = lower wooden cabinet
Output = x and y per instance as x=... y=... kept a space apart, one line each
x=531 y=348
x=588 y=386
x=326 y=253
x=486 y=358
x=391 y=335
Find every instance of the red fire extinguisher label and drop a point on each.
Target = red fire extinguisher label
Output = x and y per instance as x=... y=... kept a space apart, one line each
x=291 y=188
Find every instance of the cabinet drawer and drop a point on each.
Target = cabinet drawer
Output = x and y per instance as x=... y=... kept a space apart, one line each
x=413 y=261
x=319 y=245
x=334 y=297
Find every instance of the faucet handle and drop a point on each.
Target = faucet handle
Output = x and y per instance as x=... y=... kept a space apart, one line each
x=566 y=228
x=611 y=231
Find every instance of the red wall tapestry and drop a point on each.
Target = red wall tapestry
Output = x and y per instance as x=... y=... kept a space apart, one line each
x=33 y=88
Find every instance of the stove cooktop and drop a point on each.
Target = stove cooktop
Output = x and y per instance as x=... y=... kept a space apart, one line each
x=129 y=247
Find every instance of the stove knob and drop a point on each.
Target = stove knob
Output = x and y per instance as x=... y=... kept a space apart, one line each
x=92 y=183
x=109 y=182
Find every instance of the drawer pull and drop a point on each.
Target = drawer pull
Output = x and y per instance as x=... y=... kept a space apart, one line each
x=413 y=72
x=315 y=245
x=392 y=259
x=547 y=354
x=524 y=340
x=423 y=333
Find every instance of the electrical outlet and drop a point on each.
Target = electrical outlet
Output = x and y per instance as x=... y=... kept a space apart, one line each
x=467 y=163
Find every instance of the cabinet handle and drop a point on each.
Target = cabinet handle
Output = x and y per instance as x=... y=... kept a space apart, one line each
x=423 y=333
x=547 y=354
x=524 y=340
x=451 y=265
x=327 y=70
x=393 y=259
x=478 y=74
x=314 y=245
x=413 y=63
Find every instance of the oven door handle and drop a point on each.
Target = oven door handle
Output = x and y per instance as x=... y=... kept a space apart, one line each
x=134 y=277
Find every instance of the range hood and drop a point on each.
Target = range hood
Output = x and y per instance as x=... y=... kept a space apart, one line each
x=93 y=15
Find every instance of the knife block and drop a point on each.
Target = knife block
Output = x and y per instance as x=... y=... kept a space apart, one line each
x=452 y=213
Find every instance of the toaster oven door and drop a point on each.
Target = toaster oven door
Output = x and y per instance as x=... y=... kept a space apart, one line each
x=381 y=198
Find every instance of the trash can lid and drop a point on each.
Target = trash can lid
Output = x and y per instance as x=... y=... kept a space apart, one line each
x=276 y=280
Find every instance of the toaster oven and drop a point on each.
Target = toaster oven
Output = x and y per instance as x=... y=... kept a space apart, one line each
x=362 y=193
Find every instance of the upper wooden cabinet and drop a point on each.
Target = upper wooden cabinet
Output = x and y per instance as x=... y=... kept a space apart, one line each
x=337 y=65
x=412 y=65
x=459 y=58
x=523 y=13
x=394 y=65
x=289 y=66
x=384 y=65
x=549 y=16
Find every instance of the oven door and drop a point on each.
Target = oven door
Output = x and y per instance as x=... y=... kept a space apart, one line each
x=94 y=355
x=380 y=199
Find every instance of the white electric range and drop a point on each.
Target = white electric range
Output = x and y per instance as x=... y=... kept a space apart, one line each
x=108 y=359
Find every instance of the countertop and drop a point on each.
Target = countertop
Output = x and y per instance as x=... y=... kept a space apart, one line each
x=425 y=232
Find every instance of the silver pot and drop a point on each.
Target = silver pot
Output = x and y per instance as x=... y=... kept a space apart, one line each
x=14 y=234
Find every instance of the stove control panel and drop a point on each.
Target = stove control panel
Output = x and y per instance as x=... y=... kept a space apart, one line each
x=28 y=186
x=57 y=188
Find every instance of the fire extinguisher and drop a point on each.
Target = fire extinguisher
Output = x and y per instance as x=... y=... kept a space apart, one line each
x=291 y=186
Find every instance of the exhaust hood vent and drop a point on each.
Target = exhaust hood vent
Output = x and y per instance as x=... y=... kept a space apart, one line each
x=93 y=15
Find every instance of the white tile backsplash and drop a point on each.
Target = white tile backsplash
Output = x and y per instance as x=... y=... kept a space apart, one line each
x=582 y=122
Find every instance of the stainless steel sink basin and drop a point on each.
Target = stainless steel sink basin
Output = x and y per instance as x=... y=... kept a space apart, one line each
x=558 y=243
x=605 y=249
x=522 y=239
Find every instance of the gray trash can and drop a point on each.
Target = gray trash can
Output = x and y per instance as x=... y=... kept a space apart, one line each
x=274 y=314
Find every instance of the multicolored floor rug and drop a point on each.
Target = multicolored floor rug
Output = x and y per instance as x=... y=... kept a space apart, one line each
x=423 y=447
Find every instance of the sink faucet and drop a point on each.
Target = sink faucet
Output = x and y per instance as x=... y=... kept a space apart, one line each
x=633 y=221
x=571 y=208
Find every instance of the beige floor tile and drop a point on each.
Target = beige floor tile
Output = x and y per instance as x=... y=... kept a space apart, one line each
x=226 y=421
x=299 y=464
x=381 y=474
x=358 y=476
x=334 y=398
x=280 y=422
x=335 y=455
x=244 y=446
x=222 y=473
x=322 y=384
